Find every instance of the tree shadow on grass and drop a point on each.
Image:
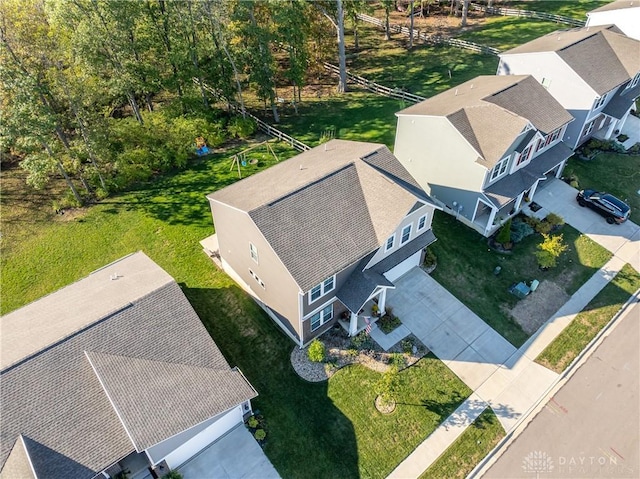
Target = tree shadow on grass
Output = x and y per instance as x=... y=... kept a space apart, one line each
x=307 y=435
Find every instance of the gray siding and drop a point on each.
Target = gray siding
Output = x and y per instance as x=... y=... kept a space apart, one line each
x=440 y=160
x=235 y=230
x=341 y=278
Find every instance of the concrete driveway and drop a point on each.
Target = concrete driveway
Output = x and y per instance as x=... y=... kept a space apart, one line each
x=236 y=455
x=622 y=240
x=503 y=377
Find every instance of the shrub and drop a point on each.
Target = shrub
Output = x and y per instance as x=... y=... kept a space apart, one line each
x=397 y=360
x=520 y=230
x=622 y=138
x=252 y=422
x=260 y=435
x=241 y=127
x=554 y=219
x=388 y=323
x=316 y=351
x=387 y=386
x=543 y=227
x=549 y=250
x=172 y=475
x=504 y=235
x=360 y=340
x=429 y=258
x=407 y=346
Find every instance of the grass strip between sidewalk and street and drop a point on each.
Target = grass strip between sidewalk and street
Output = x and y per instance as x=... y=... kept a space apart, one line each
x=468 y=450
x=558 y=355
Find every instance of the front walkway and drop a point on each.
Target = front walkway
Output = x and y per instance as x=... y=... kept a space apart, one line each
x=236 y=455
x=631 y=128
x=622 y=240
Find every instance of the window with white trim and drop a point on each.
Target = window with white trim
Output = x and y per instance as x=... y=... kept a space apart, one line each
x=406 y=234
x=524 y=156
x=589 y=128
x=253 y=251
x=321 y=289
x=255 y=276
x=422 y=222
x=321 y=317
x=635 y=81
x=600 y=101
x=553 y=136
x=500 y=168
x=390 y=242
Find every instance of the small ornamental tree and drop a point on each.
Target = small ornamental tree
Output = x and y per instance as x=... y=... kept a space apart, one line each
x=316 y=351
x=387 y=386
x=504 y=236
x=550 y=250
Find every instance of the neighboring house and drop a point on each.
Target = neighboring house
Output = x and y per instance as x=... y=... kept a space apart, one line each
x=624 y=14
x=593 y=72
x=481 y=149
x=318 y=238
x=112 y=373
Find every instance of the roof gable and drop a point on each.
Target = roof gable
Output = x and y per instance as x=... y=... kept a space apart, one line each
x=150 y=396
x=616 y=5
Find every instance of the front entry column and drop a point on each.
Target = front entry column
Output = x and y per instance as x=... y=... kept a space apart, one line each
x=353 y=324
x=382 y=300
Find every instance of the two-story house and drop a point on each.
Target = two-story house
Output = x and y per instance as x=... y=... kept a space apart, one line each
x=593 y=72
x=481 y=149
x=322 y=236
x=624 y=14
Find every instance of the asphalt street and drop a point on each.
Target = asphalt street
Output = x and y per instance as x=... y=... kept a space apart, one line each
x=590 y=428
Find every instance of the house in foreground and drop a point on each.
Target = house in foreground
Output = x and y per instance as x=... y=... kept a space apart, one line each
x=624 y=14
x=112 y=373
x=481 y=149
x=322 y=236
x=593 y=72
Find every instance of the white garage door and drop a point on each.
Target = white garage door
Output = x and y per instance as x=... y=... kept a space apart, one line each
x=404 y=267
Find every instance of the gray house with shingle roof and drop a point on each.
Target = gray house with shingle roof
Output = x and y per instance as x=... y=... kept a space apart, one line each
x=322 y=236
x=112 y=373
x=481 y=149
x=593 y=72
x=624 y=14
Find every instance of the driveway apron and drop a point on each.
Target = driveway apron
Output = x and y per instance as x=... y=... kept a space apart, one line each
x=503 y=377
x=622 y=240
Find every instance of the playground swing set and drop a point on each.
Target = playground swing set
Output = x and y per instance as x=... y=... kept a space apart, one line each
x=240 y=159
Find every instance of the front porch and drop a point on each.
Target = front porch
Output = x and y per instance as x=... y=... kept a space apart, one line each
x=368 y=315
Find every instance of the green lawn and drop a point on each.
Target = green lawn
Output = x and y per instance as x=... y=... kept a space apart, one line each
x=428 y=393
x=588 y=323
x=504 y=33
x=574 y=8
x=469 y=449
x=612 y=172
x=321 y=430
x=465 y=266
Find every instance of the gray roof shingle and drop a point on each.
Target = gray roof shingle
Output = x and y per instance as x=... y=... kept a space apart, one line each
x=351 y=196
x=54 y=398
x=491 y=111
x=617 y=5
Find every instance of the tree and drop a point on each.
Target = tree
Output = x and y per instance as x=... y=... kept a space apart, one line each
x=411 y=25
x=504 y=236
x=387 y=4
x=336 y=18
x=550 y=250
x=465 y=10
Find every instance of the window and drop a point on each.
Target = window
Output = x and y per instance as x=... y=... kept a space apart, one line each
x=253 y=251
x=322 y=288
x=422 y=222
x=541 y=144
x=635 y=81
x=499 y=169
x=524 y=156
x=600 y=101
x=389 y=244
x=321 y=317
x=406 y=234
x=553 y=136
x=589 y=128
x=255 y=276
x=546 y=82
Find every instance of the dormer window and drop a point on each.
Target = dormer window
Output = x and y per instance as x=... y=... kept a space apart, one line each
x=524 y=156
x=600 y=101
x=500 y=168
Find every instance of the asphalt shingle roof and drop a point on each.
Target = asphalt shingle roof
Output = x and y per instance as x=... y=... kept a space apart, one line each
x=621 y=101
x=349 y=198
x=602 y=56
x=54 y=399
x=617 y=5
x=491 y=111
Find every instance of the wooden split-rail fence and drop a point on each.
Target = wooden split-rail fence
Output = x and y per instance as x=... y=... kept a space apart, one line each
x=513 y=12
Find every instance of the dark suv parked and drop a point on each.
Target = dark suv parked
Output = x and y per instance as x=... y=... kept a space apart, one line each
x=613 y=209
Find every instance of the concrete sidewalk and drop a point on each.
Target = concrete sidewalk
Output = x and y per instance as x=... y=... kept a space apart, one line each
x=502 y=377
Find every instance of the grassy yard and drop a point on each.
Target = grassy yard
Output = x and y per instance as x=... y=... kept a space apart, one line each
x=333 y=426
x=466 y=263
x=611 y=172
x=575 y=9
x=472 y=445
x=504 y=33
x=588 y=323
x=384 y=440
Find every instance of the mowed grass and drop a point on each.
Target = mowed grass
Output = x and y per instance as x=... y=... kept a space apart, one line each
x=473 y=444
x=504 y=33
x=575 y=8
x=466 y=265
x=611 y=172
x=428 y=393
x=590 y=321
x=323 y=430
